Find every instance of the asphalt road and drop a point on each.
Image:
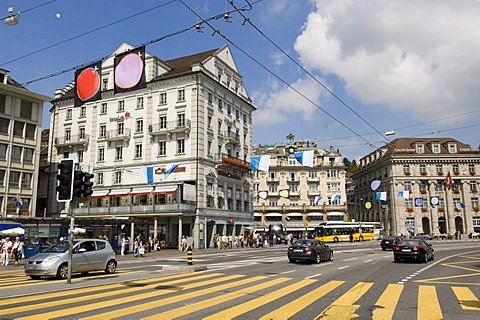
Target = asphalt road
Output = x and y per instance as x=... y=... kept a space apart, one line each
x=259 y=283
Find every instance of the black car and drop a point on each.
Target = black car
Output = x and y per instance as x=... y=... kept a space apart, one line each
x=309 y=250
x=417 y=249
x=424 y=236
x=280 y=238
x=389 y=242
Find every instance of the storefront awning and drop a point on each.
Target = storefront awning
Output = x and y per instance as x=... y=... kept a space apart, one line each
x=165 y=190
x=317 y=214
x=256 y=214
x=294 y=214
x=335 y=214
x=141 y=191
x=273 y=214
x=119 y=193
x=99 y=193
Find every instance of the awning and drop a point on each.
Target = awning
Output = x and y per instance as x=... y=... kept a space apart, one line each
x=119 y=193
x=317 y=214
x=273 y=214
x=335 y=214
x=11 y=229
x=294 y=214
x=99 y=193
x=256 y=214
x=165 y=190
x=141 y=191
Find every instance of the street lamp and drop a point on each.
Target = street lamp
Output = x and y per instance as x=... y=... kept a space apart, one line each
x=12 y=18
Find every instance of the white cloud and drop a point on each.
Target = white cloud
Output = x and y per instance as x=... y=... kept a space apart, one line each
x=419 y=57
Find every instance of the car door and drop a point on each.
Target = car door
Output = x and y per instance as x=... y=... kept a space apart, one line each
x=322 y=250
x=85 y=257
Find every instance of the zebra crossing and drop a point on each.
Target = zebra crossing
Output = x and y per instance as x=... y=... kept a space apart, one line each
x=215 y=295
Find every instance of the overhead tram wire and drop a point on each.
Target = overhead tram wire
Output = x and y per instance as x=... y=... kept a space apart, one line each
x=216 y=31
x=247 y=20
x=30 y=9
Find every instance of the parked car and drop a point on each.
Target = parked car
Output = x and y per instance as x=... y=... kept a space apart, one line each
x=280 y=238
x=389 y=242
x=424 y=236
x=87 y=255
x=417 y=249
x=309 y=250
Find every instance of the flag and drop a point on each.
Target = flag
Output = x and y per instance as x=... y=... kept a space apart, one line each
x=381 y=196
x=88 y=84
x=146 y=175
x=170 y=170
x=431 y=206
x=336 y=197
x=16 y=203
x=448 y=181
x=129 y=70
x=404 y=194
x=261 y=163
x=460 y=205
x=317 y=199
x=305 y=158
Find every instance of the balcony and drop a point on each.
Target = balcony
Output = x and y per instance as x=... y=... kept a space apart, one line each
x=154 y=210
x=440 y=173
x=424 y=209
x=472 y=172
x=407 y=173
x=118 y=135
x=231 y=137
x=473 y=190
x=456 y=172
x=225 y=159
x=441 y=209
x=77 y=140
x=423 y=191
x=170 y=127
x=409 y=209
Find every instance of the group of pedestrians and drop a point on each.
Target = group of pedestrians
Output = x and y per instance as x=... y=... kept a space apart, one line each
x=251 y=240
x=11 y=250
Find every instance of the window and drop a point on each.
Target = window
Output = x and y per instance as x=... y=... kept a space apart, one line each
x=163 y=122
x=80 y=155
x=3 y=151
x=408 y=203
x=121 y=106
x=16 y=155
x=18 y=129
x=30 y=130
x=14 y=178
x=181 y=95
x=293 y=187
x=219 y=126
x=436 y=149
x=4 y=123
x=68 y=135
x=423 y=168
x=419 y=148
x=181 y=119
x=2 y=177
x=99 y=177
x=475 y=203
x=439 y=169
x=407 y=185
x=237 y=114
x=332 y=186
x=140 y=103
x=69 y=114
x=162 y=148
x=83 y=112
x=27 y=180
x=117 y=177
x=181 y=145
x=332 y=173
x=273 y=175
x=439 y=186
x=452 y=148
x=118 y=152
x=103 y=131
x=423 y=186
x=410 y=223
x=163 y=98
x=272 y=188
x=209 y=147
x=138 y=151
x=220 y=104
x=313 y=188
x=101 y=154
x=120 y=128
x=210 y=97
x=139 y=126
x=209 y=122
x=406 y=168
x=455 y=168
x=81 y=133
x=3 y=98
x=229 y=108
x=103 y=108
x=244 y=116
x=292 y=176
x=273 y=203
x=473 y=185
x=471 y=167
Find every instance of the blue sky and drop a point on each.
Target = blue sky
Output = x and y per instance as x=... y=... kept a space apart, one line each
x=408 y=66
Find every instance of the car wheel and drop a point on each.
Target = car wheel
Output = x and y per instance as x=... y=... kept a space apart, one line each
x=291 y=260
x=395 y=259
x=425 y=257
x=318 y=258
x=335 y=239
x=35 y=277
x=433 y=255
x=111 y=267
x=384 y=249
x=331 y=256
x=62 y=272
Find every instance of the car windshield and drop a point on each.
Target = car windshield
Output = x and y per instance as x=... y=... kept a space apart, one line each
x=303 y=243
x=59 y=247
x=409 y=243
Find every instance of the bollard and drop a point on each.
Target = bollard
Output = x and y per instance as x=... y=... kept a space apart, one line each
x=189 y=256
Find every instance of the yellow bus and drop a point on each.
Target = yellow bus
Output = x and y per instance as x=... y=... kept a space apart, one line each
x=335 y=231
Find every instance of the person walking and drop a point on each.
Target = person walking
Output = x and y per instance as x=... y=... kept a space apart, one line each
x=122 y=245
x=17 y=250
x=6 y=251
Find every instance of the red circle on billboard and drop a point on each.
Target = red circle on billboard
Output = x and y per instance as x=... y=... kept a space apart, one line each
x=88 y=83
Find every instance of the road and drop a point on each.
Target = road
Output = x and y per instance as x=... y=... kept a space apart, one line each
x=362 y=281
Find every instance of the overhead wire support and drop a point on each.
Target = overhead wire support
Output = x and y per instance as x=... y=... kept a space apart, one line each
x=275 y=75
x=247 y=20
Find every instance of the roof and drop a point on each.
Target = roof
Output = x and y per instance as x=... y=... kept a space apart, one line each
x=405 y=145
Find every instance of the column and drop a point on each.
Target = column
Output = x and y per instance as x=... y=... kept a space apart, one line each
x=180 y=231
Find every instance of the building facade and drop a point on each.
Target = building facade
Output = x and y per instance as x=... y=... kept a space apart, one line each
x=297 y=196
x=431 y=187
x=20 y=134
x=195 y=116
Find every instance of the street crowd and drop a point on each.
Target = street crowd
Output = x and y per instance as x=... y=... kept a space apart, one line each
x=11 y=250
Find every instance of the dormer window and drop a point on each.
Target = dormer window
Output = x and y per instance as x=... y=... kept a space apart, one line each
x=436 y=148
x=452 y=148
x=419 y=148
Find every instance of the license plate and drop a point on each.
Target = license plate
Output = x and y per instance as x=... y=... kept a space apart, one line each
x=298 y=250
x=406 y=250
x=31 y=267
x=387 y=242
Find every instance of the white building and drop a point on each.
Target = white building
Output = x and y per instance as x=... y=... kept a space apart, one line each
x=194 y=113
x=20 y=134
x=287 y=193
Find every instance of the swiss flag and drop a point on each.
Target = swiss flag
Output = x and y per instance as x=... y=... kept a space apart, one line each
x=448 y=181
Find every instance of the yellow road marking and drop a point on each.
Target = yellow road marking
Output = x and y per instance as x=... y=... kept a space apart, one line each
x=304 y=301
x=467 y=298
x=386 y=304
x=139 y=307
x=75 y=299
x=449 y=277
x=428 y=306
x=258 y=302
x=286 y=272
x=461 y=268
x=182 y=311
x=345 y=307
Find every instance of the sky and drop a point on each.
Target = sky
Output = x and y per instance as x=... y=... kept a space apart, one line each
x=340 y=73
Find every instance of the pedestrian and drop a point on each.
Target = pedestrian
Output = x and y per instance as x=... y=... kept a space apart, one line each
x=6 y=251
x=351 y=237
x=459 y=235
x=135 y=246
x=141 y=249
x=122 y=245
x=17 y=250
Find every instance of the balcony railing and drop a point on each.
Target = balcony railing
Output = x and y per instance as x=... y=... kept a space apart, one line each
x=132 y=210
x=72 y=140
x=224 y=158
x=170 y=127
x=231 y=137
x=118 y=135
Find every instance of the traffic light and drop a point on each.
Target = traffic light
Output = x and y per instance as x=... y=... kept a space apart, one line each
x=87 y=184
x=65 y=180
x=78 y=184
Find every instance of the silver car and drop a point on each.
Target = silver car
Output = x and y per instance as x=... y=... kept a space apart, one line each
x=88 y=255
